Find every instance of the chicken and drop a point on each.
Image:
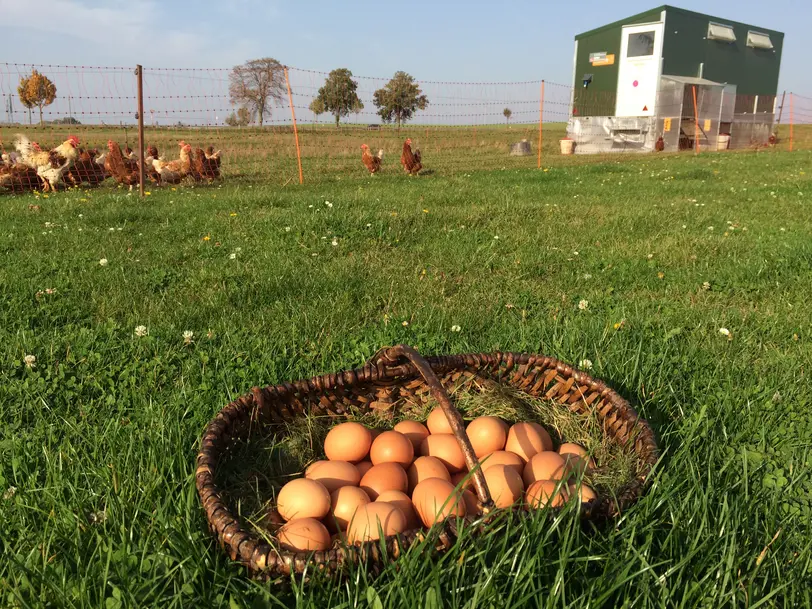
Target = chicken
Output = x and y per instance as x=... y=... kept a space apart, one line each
x=373 y=163
x=121 y=169
x=174 y=171
x=206 y=165
x=411 y=161
x=129 y=154
x=149 y=170
x=659 y=145
x=213 y=159
x=18 y=177
x=87 y=169
x=11 y=158
x=51 y=165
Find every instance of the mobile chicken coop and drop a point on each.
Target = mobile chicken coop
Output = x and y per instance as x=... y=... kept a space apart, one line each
x=667 y=77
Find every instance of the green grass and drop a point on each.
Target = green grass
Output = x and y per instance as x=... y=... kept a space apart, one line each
x=99 y=438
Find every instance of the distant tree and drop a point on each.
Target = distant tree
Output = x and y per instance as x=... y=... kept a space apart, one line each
x=68 y=120
x=36 y=91
x=508 y=113
x=338 y=95
x=400 y=99
x=256 y=85
x=317 y=108
x=244 y=117
x=231 y=119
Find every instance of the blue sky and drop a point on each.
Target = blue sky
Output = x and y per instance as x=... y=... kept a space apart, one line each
x=440 y=41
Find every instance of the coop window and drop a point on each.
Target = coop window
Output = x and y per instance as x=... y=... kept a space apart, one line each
x=641 y=44
x=757 y=40
x=719 y=31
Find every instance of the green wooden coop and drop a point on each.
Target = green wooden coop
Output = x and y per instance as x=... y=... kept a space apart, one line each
x=662 y=79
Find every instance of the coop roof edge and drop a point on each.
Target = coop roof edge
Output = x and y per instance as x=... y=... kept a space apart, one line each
x=673 y=9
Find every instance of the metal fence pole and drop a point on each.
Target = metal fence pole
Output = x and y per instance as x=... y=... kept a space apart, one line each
x=139 y=73
x=541 y=122
x=791 y=118
x=696 y=122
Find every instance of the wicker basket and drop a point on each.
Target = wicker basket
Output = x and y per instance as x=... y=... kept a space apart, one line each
x=393 y=373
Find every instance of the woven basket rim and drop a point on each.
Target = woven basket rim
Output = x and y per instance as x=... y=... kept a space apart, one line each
x=255 y=409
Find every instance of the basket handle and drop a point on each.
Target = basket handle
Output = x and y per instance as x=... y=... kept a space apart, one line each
x=389 y=357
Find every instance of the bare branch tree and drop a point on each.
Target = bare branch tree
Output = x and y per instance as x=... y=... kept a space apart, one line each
x=257 y=85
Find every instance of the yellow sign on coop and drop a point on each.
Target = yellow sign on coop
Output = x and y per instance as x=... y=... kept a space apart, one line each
x=707 y=124
x=666 y=125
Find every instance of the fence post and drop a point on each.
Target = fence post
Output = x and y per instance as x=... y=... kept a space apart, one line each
x=791 y=118
x=696 y=122
x=541 y=122
x=295 y=130
x=139 y=73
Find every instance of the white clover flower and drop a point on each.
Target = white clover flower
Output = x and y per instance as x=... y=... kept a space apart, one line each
x=583 y=304
x=724 y=331
x=706 y=285
x=111 y=229
x=587 y=276
x=456 y=328
x=30 y=361
x=10 y=492
x=188 y=337
x=710 y=228
x=328 y=204
x=287 y=229
x=405 y=323
x=369 y=225
x=650 y=256
x=585 y=364
x=334 y=242
x=238 y=249
x=141 y=331
x=232 y=256
x=103 y=262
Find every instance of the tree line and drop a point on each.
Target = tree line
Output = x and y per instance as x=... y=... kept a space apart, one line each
x=258 y=84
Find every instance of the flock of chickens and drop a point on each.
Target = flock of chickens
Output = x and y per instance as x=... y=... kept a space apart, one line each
x=411 y=161
x=30 y=167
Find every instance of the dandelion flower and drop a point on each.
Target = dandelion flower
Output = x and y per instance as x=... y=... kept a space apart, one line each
x=233 y=214
x=583 y=304
x=188 y=337
x=207 y=238
x=147 y=193
x=103 y=262
x=585 y=364
x=405 y=323
x=724 y=331
x=232 y=256
x=456 y=328
x=141 y=331
x=660 y=275
x=30 y=361
x=425 y=211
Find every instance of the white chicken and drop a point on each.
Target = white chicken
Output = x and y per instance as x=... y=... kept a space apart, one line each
x=50 y=165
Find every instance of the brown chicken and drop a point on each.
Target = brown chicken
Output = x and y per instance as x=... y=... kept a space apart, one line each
x=123 y=170
x=411 y=161
x=206 y=165
x=18 y=177
x=373 y=163
x=213 y=159
x=173 y=172
x=659 y=145
x=149 y=171
x=86 y=169
x=50 y=165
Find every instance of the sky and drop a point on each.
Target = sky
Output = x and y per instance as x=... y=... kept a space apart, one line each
x=434 y=41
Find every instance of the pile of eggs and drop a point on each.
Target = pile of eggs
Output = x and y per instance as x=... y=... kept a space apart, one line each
x=415 y=475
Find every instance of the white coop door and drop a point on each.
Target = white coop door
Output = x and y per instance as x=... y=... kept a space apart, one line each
x=639 y=72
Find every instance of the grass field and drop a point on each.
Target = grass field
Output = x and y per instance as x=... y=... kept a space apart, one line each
x=100 y=432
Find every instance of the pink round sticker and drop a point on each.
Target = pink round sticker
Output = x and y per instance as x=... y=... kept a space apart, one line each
x=635 y=83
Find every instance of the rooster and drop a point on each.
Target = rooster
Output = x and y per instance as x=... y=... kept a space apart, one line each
x=373 y=163
x=50 y=165
x=410 y=160
x=173 y=172
x=122 y=169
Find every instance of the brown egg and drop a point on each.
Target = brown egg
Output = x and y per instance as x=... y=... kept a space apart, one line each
x=343 y=503
x=445 y=447
x=414 y=431
x=438 y=422
x=526 y=440
x=372 y=518
x=543 y=492
x=545 y=436
x=504 y=484
x=333 y=474
x=502 y=457
x=584 y=492
x=347 y=442
x=403 y=503
x=462 y=480
x=436 y=499
x=576 y=458
x=392 y=447
x=487 y=435
x=384 y=477
x=471 y=503
x=303 y=498
x=314 y=465
x=424 y=468
x=363 y=467
x=304 y=534
x=546 y=465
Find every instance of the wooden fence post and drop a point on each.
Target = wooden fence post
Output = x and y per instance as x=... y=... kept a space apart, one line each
x=295 y=130
x=139 y=73
x=696 y=122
